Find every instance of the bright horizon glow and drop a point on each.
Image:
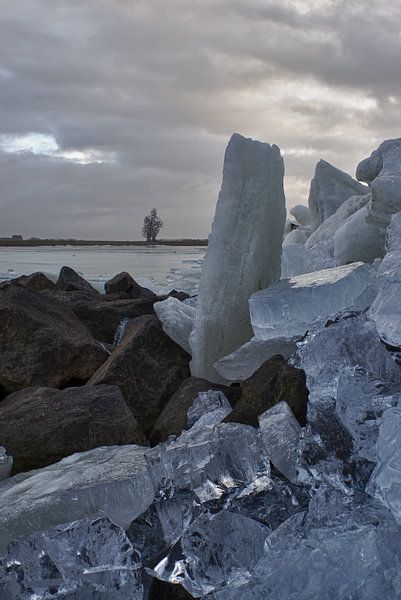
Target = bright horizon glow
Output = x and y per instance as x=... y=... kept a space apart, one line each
x=45 y=145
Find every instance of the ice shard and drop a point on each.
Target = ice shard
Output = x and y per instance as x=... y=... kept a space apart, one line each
x=177 y=320
x=358 y=240
x=243 y=363
x=330 y=187
x=280 y=434
x=243 y=254
x=386 y=310
x=382 y=170
x=216 y=551
x=110 y=480
x=290 y=307
x=209 y=407
x=393 y=236
x=385 y=483
x=77 y=561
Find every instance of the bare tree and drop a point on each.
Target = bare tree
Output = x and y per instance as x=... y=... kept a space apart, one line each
x=152 y=224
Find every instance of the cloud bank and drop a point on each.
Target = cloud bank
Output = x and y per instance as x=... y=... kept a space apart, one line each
x=111 y=107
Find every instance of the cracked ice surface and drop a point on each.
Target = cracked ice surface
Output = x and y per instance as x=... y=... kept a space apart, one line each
x=216 y=551
x=346 y=364
x=82 y=560
x=210 y=461
x=290 y=307
x=111 y=480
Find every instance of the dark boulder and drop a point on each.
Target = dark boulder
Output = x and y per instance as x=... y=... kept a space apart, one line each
x=35 y=281
x=273 y=382
x=123 y=286
x=148 y=367
x=70 y=281
x=163 y=590
x=173 y=418
x=43 y=343
x=102 y=318
x=40 y=426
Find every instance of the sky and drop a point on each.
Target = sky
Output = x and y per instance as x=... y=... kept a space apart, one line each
x=111 y=107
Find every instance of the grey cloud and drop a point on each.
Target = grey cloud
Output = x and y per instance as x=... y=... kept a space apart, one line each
x=161 y=85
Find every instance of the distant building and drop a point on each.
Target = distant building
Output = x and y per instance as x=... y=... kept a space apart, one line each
x=17 y=238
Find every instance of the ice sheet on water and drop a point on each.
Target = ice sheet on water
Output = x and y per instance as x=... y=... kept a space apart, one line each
x=6 y=463
x=280 y=434
x=216 y=551
x=110 y=480
x=82 y=560
x=209 y=408
x=247 y=359
x=290 y=307
x=211 y=461
x=177 y=320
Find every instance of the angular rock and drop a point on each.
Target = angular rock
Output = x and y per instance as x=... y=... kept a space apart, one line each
x=358 y=240
x=103 y=318
x=177 y=320
x=290 y=307
x=148 y=367
x=81 y=560
x=70 y=281
x=243 y=253
x=243 y=363
x=280 y=434
x=36 y=282
x=173 y=418
x=330 y=187
x=110 y=481
x=43 y=343
x=382 y=170
x=272 y=383
x=124 y=286
x=40 y=426
x=386 y=310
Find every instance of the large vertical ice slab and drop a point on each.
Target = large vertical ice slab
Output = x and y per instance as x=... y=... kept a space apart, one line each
x=290 y=307
x=243 y=254
x=329 y=188
x=382 y=170
x=358 y=239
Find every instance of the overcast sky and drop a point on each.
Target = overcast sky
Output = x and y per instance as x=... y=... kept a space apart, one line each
x=111 y=107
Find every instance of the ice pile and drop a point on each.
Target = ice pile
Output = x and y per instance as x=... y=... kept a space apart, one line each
x=227 y=510
x=6 y=464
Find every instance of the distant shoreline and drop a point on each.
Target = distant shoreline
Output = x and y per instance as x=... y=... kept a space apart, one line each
x=35 y=243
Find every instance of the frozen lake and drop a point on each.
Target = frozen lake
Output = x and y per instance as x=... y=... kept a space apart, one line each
x=160 y=264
